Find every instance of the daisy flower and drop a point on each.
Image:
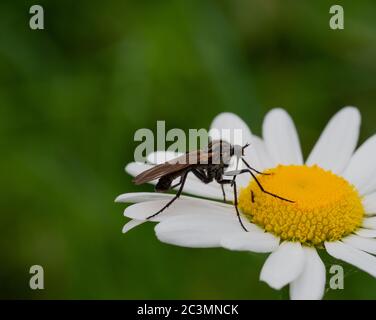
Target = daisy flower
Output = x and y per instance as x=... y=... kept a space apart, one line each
x=334 y=193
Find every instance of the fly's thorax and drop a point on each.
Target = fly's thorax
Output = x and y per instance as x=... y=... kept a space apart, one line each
x=220 y=152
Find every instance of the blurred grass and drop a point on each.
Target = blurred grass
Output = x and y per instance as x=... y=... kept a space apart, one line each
x=72 y=96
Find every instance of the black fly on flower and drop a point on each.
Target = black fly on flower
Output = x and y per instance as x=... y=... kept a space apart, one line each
x=207 y=165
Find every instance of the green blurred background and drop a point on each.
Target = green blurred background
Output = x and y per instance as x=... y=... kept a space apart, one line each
x=72 y=96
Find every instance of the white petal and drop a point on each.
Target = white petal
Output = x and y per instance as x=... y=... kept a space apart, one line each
x=371 y=184
x=132 y=224
x=357 y=258
x=310 y=285
x=369 y=223
x=197 y=231
x=284 y=265
x=250 y=241
x=227 y=126
x=192 y=186
x=281 y=138
x=135 y=168
x=337 y=143
x=361 y=170
x=135 y=197
x=369 y=203
x=365 y=244
x=366 y=233
x=141 y=211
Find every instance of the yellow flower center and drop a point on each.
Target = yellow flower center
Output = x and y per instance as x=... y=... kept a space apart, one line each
x=326 y=207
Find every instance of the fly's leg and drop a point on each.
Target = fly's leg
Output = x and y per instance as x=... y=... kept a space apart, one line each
x=207 y=179
x=200 y=174
x=177 y=184
x=182 y=183
x=254 y=170
x=223 y=193
x=233 y=184
x=260 y=185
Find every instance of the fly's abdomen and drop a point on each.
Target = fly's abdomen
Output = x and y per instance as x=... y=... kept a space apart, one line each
x=163 y=184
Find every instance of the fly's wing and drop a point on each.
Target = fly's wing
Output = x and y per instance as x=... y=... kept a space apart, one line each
x=172 y=166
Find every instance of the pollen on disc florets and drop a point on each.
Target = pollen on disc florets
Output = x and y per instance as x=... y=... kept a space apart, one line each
x=326 y=207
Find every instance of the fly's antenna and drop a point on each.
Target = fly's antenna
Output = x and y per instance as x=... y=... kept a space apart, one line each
x=246 y=146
